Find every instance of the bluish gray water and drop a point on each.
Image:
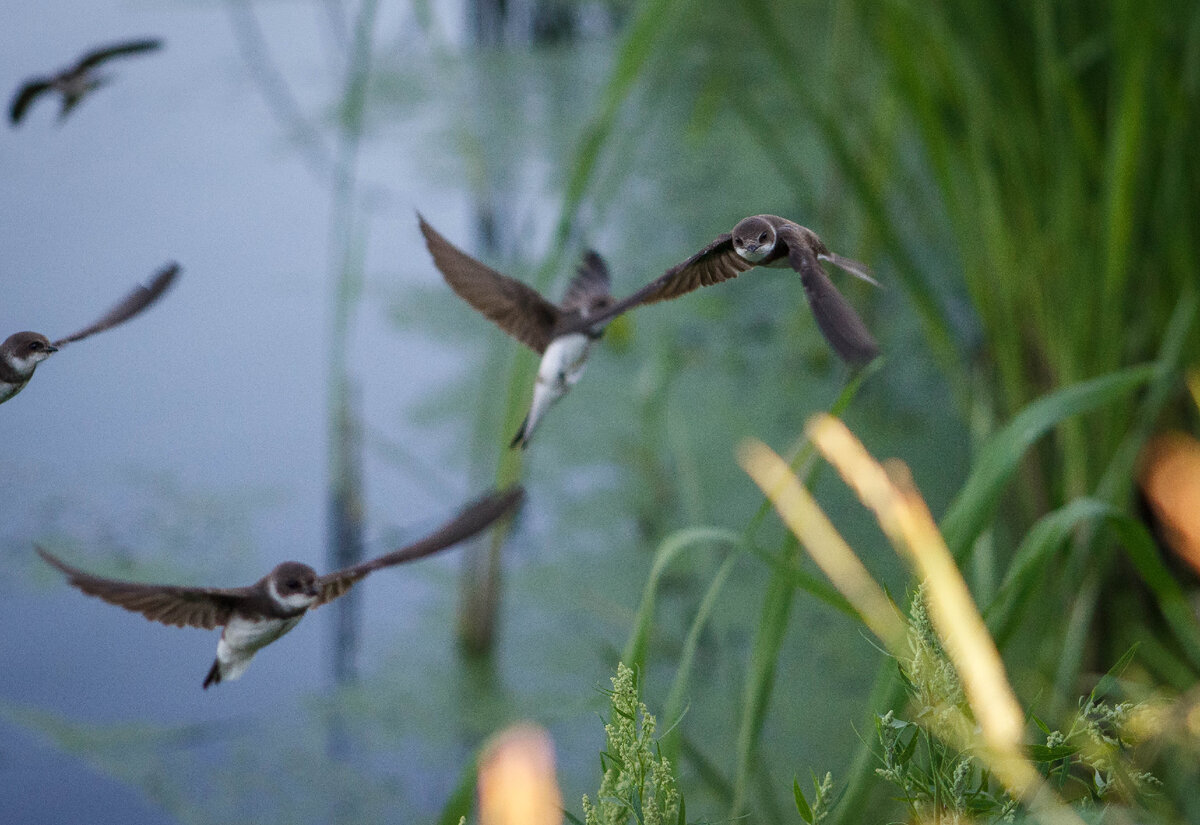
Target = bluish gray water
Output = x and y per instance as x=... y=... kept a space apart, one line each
x=190 y=445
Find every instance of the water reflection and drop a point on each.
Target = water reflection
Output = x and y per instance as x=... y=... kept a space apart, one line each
x=195 y=445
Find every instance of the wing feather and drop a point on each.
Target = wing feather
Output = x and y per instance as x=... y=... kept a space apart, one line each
x=133 y=303
x=714 y=264
x=25 y=96
x=516 y=308
x=836 y=318
x=202 y=607
x=98 y=56
x=474 y=518
x=590 y=284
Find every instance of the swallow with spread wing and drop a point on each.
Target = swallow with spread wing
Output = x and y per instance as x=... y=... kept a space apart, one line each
x=524 y=314
x=252 y=617
x=74 y=82
x=768 y=240
x=21 y=352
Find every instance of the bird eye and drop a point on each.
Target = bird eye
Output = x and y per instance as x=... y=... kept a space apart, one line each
x=35 y=345
x=293 y=585
x=762 y=238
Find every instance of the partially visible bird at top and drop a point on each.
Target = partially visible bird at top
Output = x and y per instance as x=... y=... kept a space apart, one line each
x=75 y=82
x=523 y=313
x=21 y=352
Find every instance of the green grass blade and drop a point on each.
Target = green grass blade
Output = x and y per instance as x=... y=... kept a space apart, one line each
x=650 y=24
x=802 y=806
x=972 y=509
x=801 y=579
x=772 y=627
x=461 y=798
x=674 y=705
x=1143 y=552
x=805 y=452
x=635 y=649
x=1042 y=541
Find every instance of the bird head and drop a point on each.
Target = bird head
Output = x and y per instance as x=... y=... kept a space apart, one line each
x=754 y=238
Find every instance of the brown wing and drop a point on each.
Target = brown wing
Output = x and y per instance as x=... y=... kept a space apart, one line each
x=713 y=264
x=25 y=96
x=130 y=305
x=516 y=308
x=474 y=518
x=836 y=319
x=590 y=285
x=178 y=606
x=98 y=56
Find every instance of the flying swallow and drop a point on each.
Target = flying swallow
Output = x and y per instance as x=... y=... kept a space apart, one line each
x=21 y=352
x=252 y=617
x=768 y=240
x=75 y=82
x=534 y=321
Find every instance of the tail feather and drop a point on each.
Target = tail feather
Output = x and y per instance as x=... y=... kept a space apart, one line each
x=214 y=674
x=521 y=439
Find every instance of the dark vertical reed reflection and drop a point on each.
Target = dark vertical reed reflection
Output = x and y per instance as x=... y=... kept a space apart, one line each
x=479 y=584
x=495 y=24
x=347 y=241
x=345 y=523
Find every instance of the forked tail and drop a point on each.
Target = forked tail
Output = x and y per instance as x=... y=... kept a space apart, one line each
x=214 y=674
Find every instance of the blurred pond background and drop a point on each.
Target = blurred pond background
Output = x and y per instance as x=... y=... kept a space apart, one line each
x=279 y=151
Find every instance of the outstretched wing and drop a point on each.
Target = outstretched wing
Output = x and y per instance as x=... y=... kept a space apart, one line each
x=590 y=284
x=474 y=518
x=25 y=96
x=98 y=56
x=516 y=308
x=178 y=606
x=713 y=264
x=836 y=319
x=130 y=305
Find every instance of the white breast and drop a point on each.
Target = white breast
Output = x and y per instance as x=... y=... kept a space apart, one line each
x=8 y=390
x=564 y=360
x=242 y=638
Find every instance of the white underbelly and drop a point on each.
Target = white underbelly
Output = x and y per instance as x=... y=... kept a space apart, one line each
x=562 y=364
x=242 y=638
x=8 y=390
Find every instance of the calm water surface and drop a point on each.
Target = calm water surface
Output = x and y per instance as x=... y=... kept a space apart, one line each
x=191 y=444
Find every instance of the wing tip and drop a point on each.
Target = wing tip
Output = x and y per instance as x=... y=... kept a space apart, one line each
x=53 y=560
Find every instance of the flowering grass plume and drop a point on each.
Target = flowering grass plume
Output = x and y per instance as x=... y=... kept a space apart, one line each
x=638 y=783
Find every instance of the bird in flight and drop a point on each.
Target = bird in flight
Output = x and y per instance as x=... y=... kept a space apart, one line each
x=21 y=352
x=524 y=314
x=75 y=82
x=252 y=617
x=768 y=240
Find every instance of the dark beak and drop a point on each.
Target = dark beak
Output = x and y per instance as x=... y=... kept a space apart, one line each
x=313 y=590
x=51 y=348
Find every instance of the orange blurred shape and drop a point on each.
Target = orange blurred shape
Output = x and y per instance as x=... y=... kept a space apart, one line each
x=1169 y=475
x=517 y=785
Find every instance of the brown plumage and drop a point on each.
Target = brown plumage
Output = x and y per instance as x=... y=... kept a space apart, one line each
x=269 y=608
x=517 y=308
x=561 y=333
x=74 y=82
x=21 y=352
x=769 y=240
